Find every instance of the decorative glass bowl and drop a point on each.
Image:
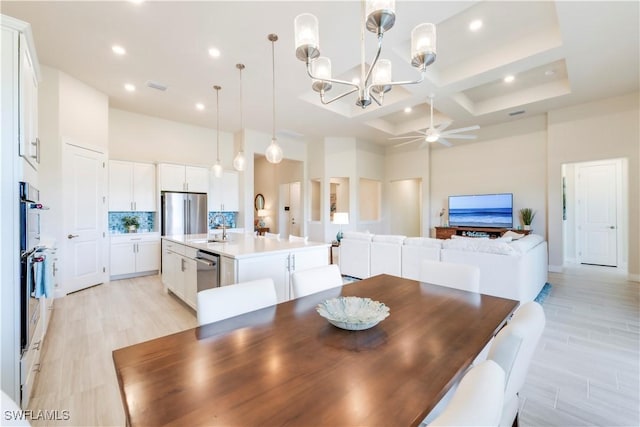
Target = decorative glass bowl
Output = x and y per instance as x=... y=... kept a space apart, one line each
x=353 y=313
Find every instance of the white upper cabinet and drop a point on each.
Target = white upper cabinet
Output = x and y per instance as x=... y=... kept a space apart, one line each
x=193 y=179
x=224 y=194
x=132 y=186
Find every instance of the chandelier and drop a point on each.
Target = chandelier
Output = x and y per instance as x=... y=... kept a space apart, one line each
x=378 y=16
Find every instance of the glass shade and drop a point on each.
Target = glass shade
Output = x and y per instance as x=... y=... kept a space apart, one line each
x=381 y=15
x=382 y=72
x=239 y=161
x=321 y=67
x=306 y=36
x=217 y=169
x=274 y=152
x=423 y=45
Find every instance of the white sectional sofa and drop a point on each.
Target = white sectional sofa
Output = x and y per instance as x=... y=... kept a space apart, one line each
x=510 y=269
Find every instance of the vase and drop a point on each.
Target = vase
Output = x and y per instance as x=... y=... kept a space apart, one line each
x=527 y=227
x=132 y=229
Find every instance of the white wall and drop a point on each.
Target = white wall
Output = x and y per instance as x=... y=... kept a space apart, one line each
x=604 y=129
x=505 y=164
x=69 y=110
x=405 y=200
x=402 y=164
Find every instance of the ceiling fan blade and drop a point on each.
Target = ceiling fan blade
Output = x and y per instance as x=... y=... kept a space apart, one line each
x=456 y=136
x=408 y=142
x=404 y=137
x=445 y=142
x=442 y=126
x=460 y=130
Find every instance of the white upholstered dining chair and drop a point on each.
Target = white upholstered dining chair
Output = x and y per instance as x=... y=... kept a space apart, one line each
x=458 y=276
x=228 y=301
x=512 y=349
x=478 y=400
x=312 y=280
x=273 y=236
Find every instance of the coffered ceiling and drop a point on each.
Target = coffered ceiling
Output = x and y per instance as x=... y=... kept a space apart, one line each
x=560 y=54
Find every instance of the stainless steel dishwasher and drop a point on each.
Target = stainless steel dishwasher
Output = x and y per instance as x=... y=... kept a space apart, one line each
x=208 y=272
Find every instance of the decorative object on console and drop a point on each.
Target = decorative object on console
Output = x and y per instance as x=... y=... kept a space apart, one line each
x=239 y=161
x=274 y=152
x=130 y=223
x=262 y=213
x=340 y=218
x=527 y=215
x=217 y=168
x=378 y=17
x=436 y=134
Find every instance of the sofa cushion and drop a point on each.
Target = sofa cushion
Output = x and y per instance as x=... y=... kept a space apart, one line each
x=480 y=245
x=527 y=243
x=357 y=235
x=513 y=235
x=388 y=238
x=423 y=241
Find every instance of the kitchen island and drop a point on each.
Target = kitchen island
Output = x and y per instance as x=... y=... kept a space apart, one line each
x=242 y=257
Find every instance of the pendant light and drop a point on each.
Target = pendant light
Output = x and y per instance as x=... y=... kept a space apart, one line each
x=274 y=152
x=217 y=168
x=239 y=160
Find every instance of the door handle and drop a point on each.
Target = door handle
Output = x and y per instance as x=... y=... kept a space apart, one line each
x=612 y=227
x=72 y=236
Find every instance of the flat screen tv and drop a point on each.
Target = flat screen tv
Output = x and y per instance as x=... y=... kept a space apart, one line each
x=481 y=210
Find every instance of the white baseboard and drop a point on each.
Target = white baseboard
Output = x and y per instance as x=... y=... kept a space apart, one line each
x=555 y=268
x=634 y=277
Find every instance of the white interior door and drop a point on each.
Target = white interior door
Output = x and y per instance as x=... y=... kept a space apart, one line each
x=294 y=208
x=597 y=212
x=84 y=217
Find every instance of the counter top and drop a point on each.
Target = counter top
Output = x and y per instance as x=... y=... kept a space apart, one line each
x=242 y=245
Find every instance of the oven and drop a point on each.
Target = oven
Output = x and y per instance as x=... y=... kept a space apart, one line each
x=31 y=259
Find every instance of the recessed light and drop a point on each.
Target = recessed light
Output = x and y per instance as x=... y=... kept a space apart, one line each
x=509 y=79
x=407 y=110
x=118 y=50
x=549 y=72
x=136 y=1
x=200 y=106
x=475 y=25
x=214 y=52
x=129 y=87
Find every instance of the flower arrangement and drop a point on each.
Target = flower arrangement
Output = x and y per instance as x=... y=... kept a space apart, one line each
x=130 y=223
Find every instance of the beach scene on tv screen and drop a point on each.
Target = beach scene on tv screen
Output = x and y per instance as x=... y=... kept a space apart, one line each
x=486 y=210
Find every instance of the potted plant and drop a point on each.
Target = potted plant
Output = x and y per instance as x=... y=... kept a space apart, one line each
x=527 y=215
x=130 y=223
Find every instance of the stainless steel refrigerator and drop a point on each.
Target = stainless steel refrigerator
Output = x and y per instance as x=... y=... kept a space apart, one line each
x=184 y=213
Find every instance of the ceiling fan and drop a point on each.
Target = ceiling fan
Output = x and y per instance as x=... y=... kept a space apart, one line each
x=436 y=133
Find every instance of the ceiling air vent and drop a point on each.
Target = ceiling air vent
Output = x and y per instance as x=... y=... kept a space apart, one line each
x=156 y=85
x=515 y=113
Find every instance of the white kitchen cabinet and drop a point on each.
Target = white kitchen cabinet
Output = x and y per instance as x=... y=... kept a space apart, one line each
x=132 y=186
x=193 y=179
x=279 y=267
x=224 y=193
x=134 y=255
x=180 y=271
x=227 y=271
x=275 y=266
x=20 y=75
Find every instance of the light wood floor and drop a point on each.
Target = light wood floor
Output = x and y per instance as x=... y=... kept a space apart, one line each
x=585 y=370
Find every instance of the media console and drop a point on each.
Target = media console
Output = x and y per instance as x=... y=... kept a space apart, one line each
x=491 y=232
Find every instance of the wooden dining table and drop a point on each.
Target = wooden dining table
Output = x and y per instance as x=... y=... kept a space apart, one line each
x=285 y=365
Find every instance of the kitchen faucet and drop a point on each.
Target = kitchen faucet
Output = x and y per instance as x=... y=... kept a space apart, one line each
x=224 y=229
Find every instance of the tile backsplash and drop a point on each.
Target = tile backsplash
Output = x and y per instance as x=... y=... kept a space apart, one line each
x=146 y=219
x=215 y=219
